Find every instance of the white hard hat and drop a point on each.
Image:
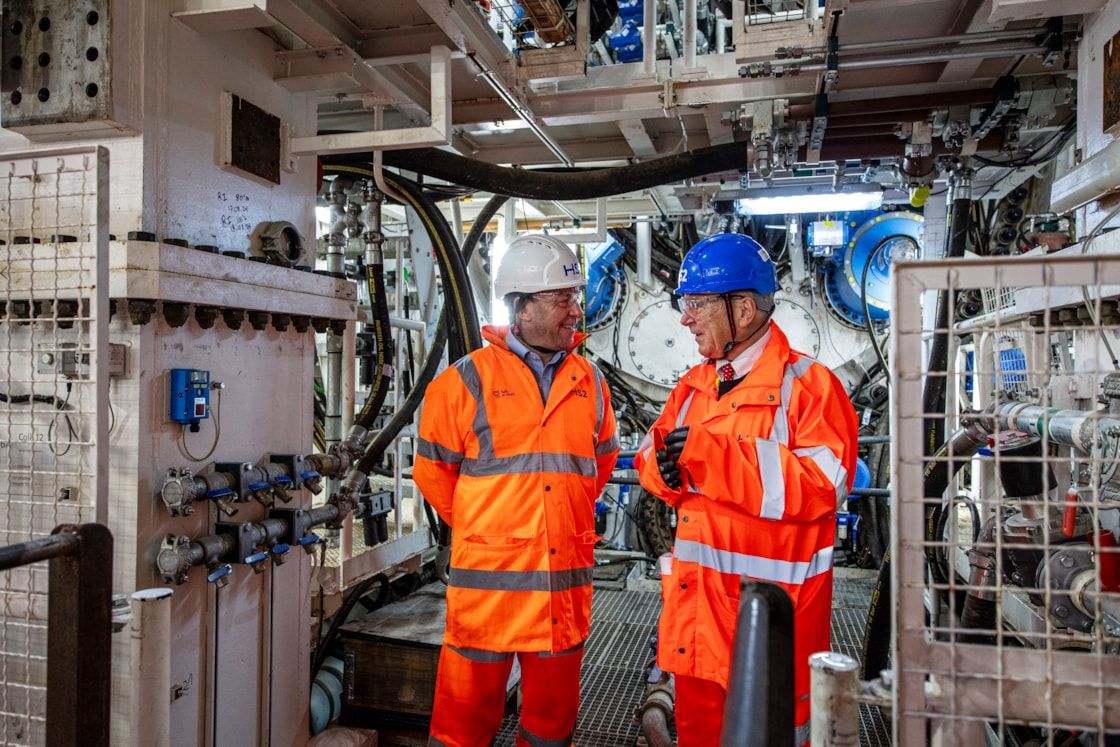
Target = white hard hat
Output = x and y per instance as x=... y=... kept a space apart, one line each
x=537 y=263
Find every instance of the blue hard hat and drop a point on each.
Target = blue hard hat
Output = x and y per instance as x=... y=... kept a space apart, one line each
x=727 y=262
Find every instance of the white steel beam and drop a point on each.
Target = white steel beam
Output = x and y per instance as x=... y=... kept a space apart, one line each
x=467 y=30
x=438 y=132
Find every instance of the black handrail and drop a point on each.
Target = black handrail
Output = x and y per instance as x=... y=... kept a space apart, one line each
x=79 y=629
x=759 y=710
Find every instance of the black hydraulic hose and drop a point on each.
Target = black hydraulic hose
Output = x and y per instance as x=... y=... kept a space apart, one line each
x=379 y=301
x=867 y=311
x=403 y=415
x=340 y=617
x=933 y=396
x=452 y=264
x=939 y=469
x=578 y=185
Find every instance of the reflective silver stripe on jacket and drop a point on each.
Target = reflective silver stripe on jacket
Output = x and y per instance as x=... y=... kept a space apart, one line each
x=684 y=407
x=486 y=464
x=437 y=452
x=802 y=733
x=770 y=455
x=599 y=405
x=795 y=370
x=773 y=479
x=565 y=652
x=481 y=655
x=607 y=447
x=534 y=741
x=464 y=578
x=529 y=463
x=755 y=566
x=602 y=448
x=830 y=466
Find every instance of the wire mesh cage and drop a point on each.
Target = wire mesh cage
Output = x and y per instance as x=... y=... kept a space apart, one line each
x=1006 y=567
x=529 y=22
x=762 y=12
x=53 y=425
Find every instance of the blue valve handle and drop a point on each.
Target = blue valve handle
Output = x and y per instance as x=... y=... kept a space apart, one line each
x=283 y=479
x=309 y=475
x=223 y=570
x=280 y=548
x=255 y=486
x=218 y=493
x=256 y=558
x=308 y=539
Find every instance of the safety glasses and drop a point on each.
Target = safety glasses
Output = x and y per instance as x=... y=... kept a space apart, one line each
x=697 y=304
x=560 y=298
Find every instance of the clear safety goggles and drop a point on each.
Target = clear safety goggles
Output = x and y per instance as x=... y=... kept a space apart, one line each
x=560 y=298
x=698 y=304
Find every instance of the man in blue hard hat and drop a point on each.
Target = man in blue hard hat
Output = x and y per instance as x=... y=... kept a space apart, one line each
x=756 y=483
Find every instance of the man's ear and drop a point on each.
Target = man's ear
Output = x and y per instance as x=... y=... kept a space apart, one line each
x=748 y=312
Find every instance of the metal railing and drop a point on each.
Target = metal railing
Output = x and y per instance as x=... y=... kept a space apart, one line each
x=79 y=629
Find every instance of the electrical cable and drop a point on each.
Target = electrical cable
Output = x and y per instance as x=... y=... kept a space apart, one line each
x=217 y=434
x=1089 y=306
x=866 y=310
x=359 y=591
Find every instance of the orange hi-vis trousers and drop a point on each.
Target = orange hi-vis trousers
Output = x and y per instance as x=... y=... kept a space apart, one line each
x=471 y=690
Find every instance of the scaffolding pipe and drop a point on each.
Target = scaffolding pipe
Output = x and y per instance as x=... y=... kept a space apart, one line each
x=689 y=36
x=150 y=631
x=833 y=686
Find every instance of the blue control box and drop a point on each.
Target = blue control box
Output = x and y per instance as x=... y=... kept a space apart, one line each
x=190 y=395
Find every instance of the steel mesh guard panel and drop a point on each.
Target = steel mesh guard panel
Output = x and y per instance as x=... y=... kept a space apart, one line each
x=1006 y=573
x=53 y=333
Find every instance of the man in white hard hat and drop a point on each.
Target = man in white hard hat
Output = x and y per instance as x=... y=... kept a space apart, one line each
x=517 y=441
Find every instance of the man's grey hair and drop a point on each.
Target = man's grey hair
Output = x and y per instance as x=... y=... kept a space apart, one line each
x=763 y=301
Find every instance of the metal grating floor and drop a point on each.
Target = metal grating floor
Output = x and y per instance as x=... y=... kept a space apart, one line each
x=622 y=623
x=851 y=599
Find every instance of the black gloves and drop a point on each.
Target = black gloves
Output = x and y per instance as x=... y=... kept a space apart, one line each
x=667 y=458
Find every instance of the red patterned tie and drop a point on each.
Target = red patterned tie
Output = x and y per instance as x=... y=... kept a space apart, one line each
x=726 y=372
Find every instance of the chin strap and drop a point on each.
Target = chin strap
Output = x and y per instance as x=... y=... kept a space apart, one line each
x=731 y=321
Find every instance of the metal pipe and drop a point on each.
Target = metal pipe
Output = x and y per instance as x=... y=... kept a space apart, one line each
x=1075 y=428
x=415 y=325
x=1009 y=50
x=644 y=235
x=759 y=710
x=150 y=631
x=657 y=707
x=649 y=38
x=523 y=113
x=951 y=39
x=833 y=689
x=689 y=35
x=32 y=551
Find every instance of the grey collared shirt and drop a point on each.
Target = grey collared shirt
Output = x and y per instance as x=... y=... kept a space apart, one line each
x=542 y=372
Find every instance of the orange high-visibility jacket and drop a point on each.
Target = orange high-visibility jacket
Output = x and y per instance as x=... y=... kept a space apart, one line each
x=765 y=467
x=517 y=479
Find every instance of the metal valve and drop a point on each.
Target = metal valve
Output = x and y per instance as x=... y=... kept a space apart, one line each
x=313 y=481
x=307 y=542
x=218 y=574
x=174 y=559
x=182 y=489
x=280 y=552
x=258 y=561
